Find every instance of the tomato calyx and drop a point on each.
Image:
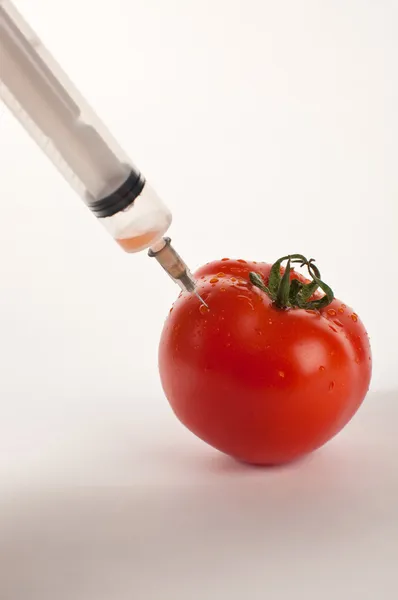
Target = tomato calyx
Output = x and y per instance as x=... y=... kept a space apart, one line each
x=292 y=293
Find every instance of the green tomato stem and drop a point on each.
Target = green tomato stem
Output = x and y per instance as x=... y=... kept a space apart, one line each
x=291 y=293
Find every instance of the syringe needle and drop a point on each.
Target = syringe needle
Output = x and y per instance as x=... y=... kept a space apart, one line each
x=201 y=299
x=47 y=104
x=173 y=264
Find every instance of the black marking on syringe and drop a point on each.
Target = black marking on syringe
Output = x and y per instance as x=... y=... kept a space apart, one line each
x=121 y=198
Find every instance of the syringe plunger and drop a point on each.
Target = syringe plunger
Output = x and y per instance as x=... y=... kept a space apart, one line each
x=50 y=108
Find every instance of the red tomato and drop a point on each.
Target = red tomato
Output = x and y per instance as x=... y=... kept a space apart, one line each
x=262 y=384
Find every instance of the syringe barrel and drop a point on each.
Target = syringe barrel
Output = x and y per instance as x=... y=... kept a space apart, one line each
x=50 y=108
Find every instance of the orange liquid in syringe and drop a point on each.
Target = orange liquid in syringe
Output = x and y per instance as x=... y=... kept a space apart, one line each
x=138 y=242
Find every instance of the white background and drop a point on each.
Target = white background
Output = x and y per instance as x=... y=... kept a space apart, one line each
x=268 y=127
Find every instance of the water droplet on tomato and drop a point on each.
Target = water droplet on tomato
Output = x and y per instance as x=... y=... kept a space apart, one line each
x=343 y=306
x=331 y=386
x=357 y=361
x=341 y=310
x=222 y=289
x=333 y=328
x=254 y=262
x=281 y=374
x=322 y=368
x=233 y=278
x=220 y=274
x=203 y=309
x=339 y=323
x=242 y=261
x=270 y=322
x=354 y=317
x=171 y=309
x=224 y=259
x=214 y=280
x=332 y=312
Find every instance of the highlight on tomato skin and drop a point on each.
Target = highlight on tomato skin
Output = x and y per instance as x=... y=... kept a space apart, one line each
x=272 y=368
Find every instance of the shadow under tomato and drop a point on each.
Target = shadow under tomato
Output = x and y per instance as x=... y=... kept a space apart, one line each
x=228 y=532
x=223 y=463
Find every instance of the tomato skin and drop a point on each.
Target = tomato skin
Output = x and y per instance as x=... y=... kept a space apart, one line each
x=260 y=384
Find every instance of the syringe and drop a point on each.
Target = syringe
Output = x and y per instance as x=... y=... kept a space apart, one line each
x=52 y=111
